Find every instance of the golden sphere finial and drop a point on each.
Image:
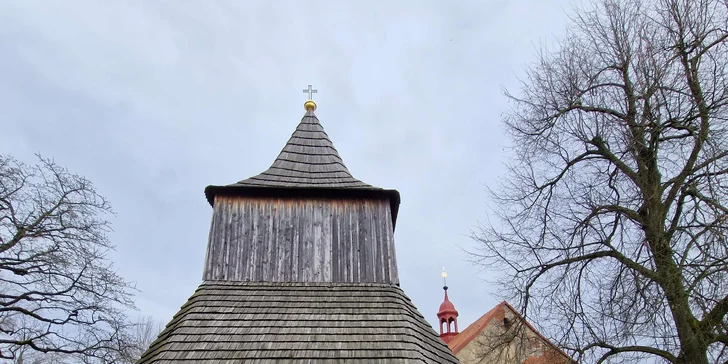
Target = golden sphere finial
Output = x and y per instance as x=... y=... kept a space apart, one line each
x=309 y=105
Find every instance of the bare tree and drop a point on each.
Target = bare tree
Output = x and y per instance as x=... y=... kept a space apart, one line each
x=27 y=355
x=59 y=295
x=612 y=221
x=141 y=335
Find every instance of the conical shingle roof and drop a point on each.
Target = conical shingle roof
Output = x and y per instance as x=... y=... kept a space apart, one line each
x=308 y=165
x=309 y=160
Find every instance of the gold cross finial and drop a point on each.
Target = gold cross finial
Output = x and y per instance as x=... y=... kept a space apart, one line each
x=309 y=104
x=310 y=92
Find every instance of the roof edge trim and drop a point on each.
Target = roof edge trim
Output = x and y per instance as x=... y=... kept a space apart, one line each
x=249 y=191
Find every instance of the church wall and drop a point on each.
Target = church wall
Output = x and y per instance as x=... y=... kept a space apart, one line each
x=301 y=240
x=518 y=345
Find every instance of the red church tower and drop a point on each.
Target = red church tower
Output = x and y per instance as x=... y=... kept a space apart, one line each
x=447 y=316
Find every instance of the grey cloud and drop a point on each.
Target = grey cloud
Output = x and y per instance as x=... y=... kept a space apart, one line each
x=155 y=100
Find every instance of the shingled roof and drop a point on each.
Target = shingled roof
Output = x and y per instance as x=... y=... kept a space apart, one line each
x=257 y=322
x=309 y=160
x=309 y=165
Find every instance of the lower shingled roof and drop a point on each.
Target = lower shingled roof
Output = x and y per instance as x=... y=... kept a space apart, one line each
x=254 y=322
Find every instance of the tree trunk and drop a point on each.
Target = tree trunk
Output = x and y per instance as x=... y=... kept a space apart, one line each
x=695 y=355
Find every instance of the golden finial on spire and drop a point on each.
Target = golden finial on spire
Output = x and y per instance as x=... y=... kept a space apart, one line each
x=309 y=104
x=444 y=278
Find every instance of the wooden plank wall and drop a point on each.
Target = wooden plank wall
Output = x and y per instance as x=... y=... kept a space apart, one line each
x=301 y=240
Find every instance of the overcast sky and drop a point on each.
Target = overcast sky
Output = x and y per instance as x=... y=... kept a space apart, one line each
x=154 y=100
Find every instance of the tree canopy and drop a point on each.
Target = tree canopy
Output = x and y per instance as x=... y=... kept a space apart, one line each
x=611 y=223
x=59 y=294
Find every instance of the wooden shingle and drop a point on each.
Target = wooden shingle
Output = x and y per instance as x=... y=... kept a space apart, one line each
x=255 y=322
x=309 y=160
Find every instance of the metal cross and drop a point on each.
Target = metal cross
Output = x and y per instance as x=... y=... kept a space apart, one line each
x=310 y=92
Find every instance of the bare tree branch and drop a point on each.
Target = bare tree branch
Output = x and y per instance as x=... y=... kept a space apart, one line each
x=59 y=296
x=612 y=224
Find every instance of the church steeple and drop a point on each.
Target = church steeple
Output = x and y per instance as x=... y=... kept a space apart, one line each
x=300 y=268
x=447 y=315
x=304 y=219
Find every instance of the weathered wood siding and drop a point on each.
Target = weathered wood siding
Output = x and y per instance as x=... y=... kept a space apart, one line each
x=301 y=240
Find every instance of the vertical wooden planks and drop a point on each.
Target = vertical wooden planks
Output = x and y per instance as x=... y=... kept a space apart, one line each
x=301 y=239
x=345 y=237
x=375 y=251
x=224 y=241
x=308 y=246
x=363 y=246
x=336 y=260
x=232 y=261
x=210 y=248
x=317 y=248
x=251 y=215
x=280 y=241
x=296 y=255
x=354 y=236
x=392 y=264
x=326 y=240
x=270 y=266
x=384 y=242
x=252 y=235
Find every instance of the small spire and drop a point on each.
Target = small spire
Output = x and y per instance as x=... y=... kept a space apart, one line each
x=447 y=315
x=309 y=104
